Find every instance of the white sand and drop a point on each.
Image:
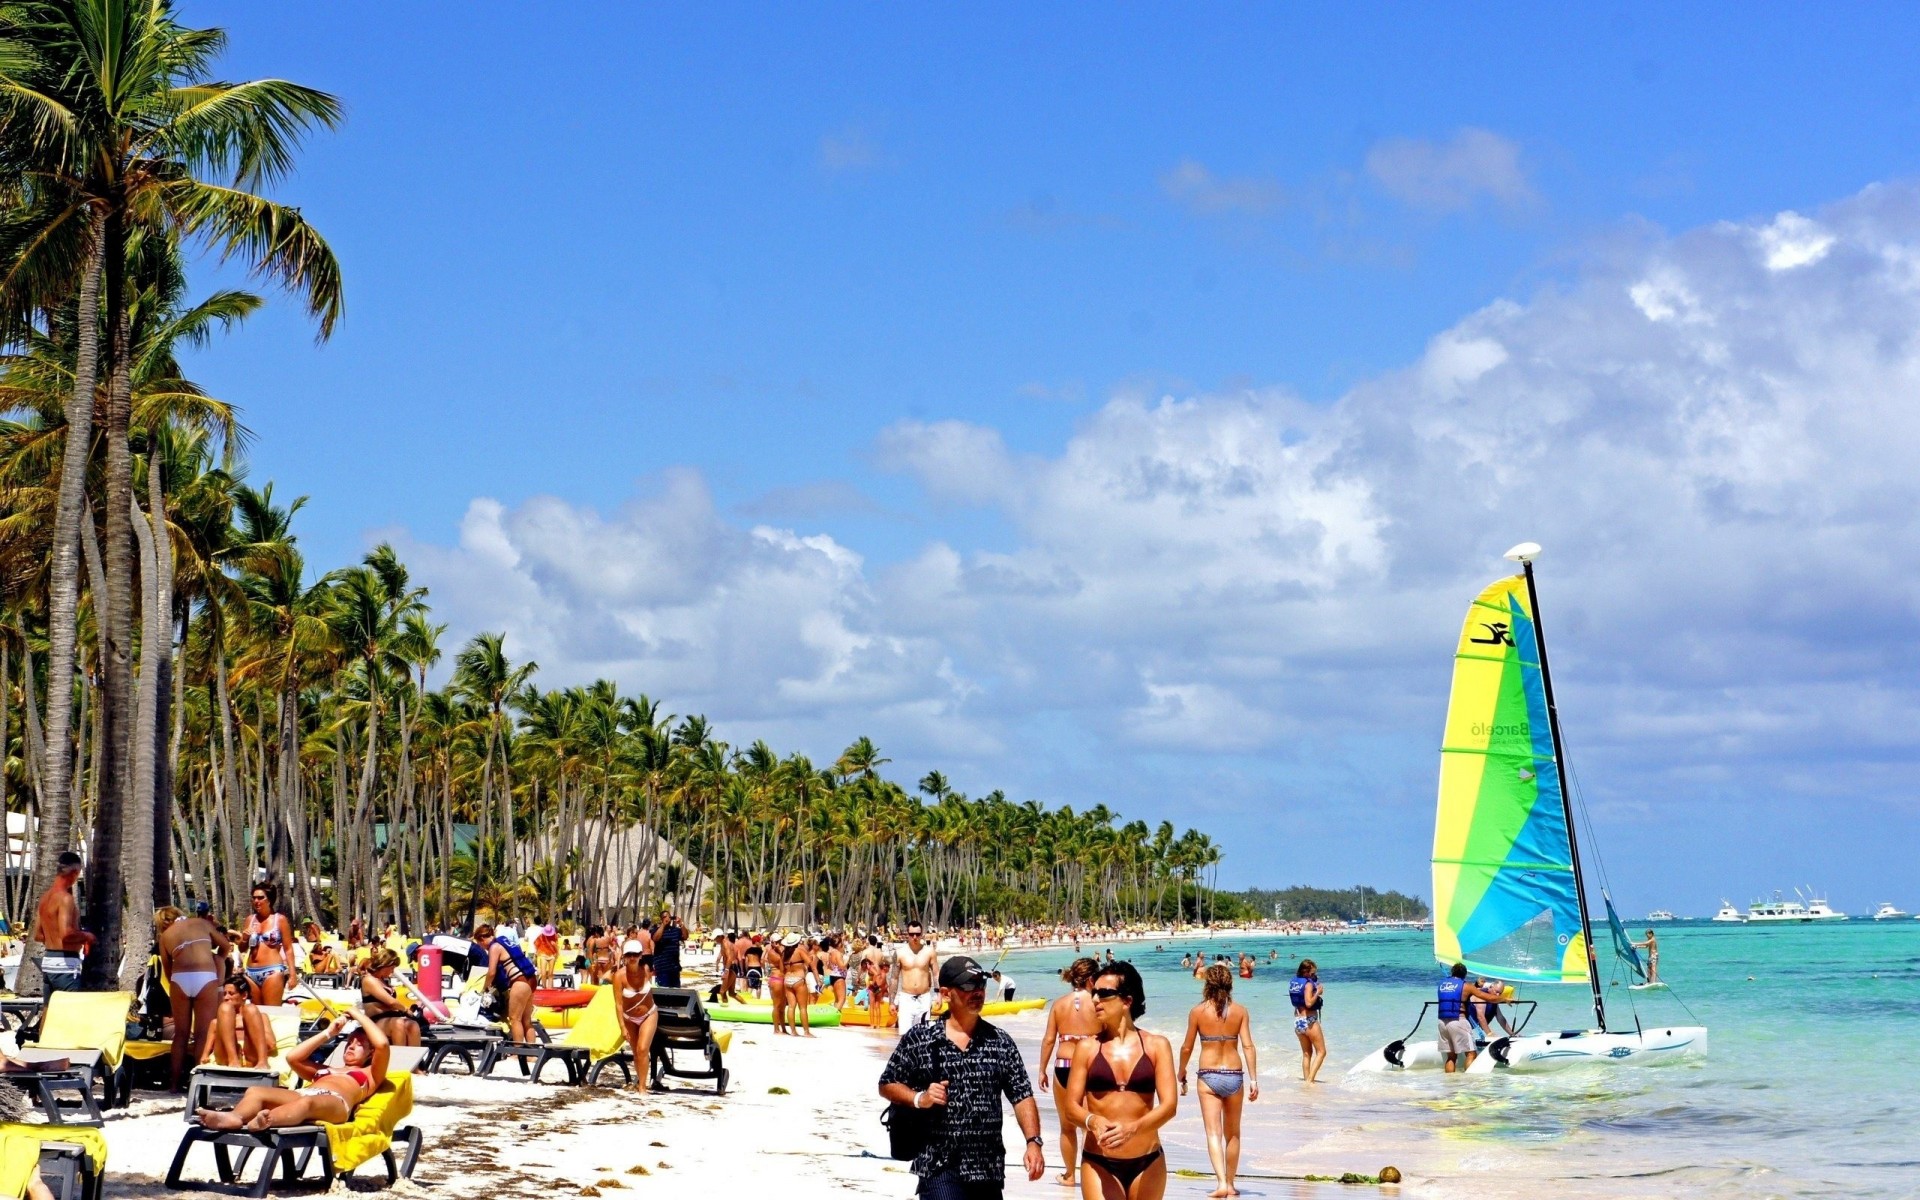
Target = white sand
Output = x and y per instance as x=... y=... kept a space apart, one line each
x=503 y=1137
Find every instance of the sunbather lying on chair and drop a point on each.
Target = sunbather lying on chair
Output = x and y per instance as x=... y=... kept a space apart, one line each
x=331 y=1094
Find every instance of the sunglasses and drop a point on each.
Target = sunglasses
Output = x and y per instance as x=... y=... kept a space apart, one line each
x=1108 y=994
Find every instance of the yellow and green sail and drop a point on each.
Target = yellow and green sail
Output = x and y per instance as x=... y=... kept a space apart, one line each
x=1504 y=898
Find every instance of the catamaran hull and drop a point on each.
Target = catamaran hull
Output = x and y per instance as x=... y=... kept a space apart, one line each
x=1423 y=1055
x=1554 y=1051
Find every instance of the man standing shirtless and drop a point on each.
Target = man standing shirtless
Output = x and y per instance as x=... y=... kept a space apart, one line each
x=913 y=968
x=56 y=925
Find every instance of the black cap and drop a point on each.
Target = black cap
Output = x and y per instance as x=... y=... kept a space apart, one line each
x=963 y=973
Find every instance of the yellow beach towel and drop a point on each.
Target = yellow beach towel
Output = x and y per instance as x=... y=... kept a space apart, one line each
x=87 y=1021
x=368 y=1135
x=20 y=1151
x=598 y=1027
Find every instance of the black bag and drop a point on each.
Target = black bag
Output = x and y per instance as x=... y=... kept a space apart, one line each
x=909 y=1129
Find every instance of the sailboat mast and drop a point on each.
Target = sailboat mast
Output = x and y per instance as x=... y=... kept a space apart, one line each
x=1566 y=797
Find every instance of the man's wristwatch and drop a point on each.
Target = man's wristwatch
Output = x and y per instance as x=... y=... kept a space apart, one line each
x=1036 y=1140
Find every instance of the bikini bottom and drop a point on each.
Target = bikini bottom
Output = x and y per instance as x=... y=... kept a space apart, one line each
x=1123 y=1170
x=1222 y=1081
x=195 y=982
x=260 y=975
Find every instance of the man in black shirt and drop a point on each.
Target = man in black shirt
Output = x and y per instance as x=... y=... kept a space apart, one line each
x=963 y=1065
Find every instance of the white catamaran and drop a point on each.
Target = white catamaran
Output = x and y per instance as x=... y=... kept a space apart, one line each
x=1509 y=899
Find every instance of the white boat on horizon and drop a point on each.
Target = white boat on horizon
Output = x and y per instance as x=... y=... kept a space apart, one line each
x=1509 y=897
x=1807 y=910
x=1661 y=914
x=1887 y=912
x=1728 y=914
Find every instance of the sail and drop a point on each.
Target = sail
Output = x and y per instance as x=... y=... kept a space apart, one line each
x=1623 y=947
x=1504 y=898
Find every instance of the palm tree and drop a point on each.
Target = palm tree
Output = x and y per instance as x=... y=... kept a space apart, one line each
x=481 y=673
x=115 y=128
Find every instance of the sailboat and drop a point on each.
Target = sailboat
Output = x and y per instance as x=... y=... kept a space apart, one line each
x=1509 y=895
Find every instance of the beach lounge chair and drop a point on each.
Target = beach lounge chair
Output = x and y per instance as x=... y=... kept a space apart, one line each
x=71 y=1160
x=374 y=1132
x=21 y=1014
x=594 y=1036
x=684 y=1027
x=444 y=1043
x=213 y=1086
x=85 y=1033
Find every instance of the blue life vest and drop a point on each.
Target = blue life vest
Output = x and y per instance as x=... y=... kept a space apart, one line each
x=1297 y=993
x=519 y=959
x=1450 y=989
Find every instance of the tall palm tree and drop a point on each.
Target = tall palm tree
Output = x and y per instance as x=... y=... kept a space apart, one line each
x=482 y=673
x=118 y=127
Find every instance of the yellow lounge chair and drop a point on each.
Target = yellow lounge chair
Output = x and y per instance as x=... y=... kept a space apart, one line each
x=89 y=1030
x=595 y=1036
x=71 y=1160
x=340 y=1149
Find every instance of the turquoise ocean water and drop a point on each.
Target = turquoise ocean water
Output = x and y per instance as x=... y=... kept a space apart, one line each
x=1812 y=1087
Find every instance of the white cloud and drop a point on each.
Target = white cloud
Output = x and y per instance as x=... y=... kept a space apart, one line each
x=1793 y=241
x=1199 y=190
x=1717 y=453
x=1451 y=175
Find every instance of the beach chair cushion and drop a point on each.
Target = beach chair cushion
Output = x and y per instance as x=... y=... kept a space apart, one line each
x=20 y=1151
x=370 y=1133
x=597 y=1028
x=87 y=1021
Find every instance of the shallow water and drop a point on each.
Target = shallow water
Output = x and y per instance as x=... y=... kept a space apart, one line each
x=1809 y=1088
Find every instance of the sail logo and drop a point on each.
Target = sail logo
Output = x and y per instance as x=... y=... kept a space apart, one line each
x=1620 y=1052
x=1497 y=634
x=1520 y=729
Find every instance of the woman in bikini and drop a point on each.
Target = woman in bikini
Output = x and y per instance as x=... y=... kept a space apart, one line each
x=1121 y=1090
x=320 y=957
x=192 y=949
x=331 y=1093
x=1307 y=996
x=776 y=973
x=639 y=1016
x=269 y=948
x=1069 y=1019
x=599 y=952
x=836 y=957
x=1227 y=1062
x=799 y=969
x=242 y=1036
x=510 y=977
x=402 y=1023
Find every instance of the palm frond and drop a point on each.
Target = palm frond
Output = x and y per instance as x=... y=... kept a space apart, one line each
x=273 y=238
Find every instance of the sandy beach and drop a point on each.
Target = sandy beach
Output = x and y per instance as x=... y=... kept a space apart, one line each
x=818 y=1135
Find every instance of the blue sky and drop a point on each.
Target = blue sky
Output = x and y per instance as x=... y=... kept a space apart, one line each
x=1090 y=404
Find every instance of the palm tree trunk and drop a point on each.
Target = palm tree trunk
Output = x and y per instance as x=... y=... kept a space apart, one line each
x=164 y=751
x=137 y=852
x=115 y=782
x=63 y=593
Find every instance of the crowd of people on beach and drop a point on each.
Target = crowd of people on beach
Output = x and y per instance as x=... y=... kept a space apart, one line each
x=1114 y=1085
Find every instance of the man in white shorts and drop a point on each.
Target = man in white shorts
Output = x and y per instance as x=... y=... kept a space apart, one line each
x=1456 y=1032
x=914 y=965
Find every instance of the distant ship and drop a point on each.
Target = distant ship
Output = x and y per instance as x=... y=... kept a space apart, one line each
x=1780 y=911
x=1661 y=914
x=1887 y=912
x=1728 y=914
